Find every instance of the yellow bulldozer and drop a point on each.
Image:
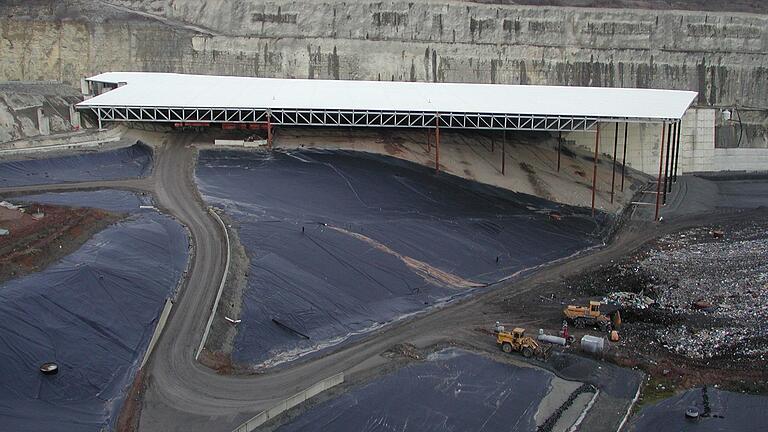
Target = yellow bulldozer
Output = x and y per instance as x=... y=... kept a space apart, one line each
x=583 y=316
x=516 y=340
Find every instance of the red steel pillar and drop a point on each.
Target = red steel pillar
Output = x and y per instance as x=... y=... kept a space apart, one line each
x=269 y=131
x=661 y=167
x=437 y=143
x=559 y=143
x=503 y=152
x=594 y=169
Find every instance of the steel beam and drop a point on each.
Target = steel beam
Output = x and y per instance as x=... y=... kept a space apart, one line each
x=677 y=144
x=559 y=145
x=615 y=146
x=594 y=169
x=624 y=157
x=504 y=152
x=437 y=145
x=312 y=117
x=661 y=166
x=666 y=164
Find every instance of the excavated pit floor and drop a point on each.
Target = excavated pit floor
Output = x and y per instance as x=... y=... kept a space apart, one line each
x=341 y=242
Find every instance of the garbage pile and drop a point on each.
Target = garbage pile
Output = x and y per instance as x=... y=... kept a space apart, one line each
x=710 y=343
x=630 y=300
x=719 y=282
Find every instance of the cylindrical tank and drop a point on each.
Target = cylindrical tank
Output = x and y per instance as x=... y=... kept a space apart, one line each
x=557 y=340
x=592 y=344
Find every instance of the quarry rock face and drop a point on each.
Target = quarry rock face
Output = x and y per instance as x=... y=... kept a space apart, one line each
x=723 y=56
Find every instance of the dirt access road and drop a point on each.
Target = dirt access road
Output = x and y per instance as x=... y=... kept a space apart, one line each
x=184 y=395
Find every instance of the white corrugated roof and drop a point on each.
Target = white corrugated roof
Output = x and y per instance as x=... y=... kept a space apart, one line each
x=148 y=89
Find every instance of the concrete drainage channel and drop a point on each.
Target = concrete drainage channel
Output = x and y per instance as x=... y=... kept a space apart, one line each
x=290 y=402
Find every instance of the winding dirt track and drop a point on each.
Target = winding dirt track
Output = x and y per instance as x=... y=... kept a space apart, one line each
x=185 y=395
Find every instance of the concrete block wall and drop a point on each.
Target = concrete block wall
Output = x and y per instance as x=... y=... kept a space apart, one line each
x=697 y=141
x=740 y=159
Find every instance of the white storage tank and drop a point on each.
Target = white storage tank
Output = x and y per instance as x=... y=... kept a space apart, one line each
x=592 y=344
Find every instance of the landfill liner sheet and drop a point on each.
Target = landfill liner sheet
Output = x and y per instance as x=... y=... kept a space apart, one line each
x=453 y=391
x=93 y=313
x=122 y=163
x=340 y=243
x=718 y=411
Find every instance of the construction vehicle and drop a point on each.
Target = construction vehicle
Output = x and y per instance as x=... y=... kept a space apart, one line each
x=583 y=316
x=516 y=340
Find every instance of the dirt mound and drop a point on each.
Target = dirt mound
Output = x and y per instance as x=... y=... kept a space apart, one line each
x=41 y=234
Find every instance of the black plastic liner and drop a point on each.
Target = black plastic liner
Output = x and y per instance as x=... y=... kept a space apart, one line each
x=106 y=199
x=122 y=163
x=92 y=313
x=718 y=411
x=342 y=242
x=453 y=391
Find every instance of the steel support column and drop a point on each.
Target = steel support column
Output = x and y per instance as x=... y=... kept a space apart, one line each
x=429 y=144
x=672 y=145
x=437 y=144
x=666 y=164
x=615 y=148
x=269 y=131
x=559 y=144
x=661 y=167
x=624 y=156
x=594 y=168
x=503 y=152
x=677 y=154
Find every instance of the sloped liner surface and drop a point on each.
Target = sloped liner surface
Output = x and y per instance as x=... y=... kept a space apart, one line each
x=452 y=391
x=127 y=162
x=341 y=242
x=93 y=313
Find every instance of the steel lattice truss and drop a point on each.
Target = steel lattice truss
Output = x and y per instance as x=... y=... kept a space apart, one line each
x=303 y=117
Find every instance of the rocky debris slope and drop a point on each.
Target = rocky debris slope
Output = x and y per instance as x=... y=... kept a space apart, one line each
x=19 y=103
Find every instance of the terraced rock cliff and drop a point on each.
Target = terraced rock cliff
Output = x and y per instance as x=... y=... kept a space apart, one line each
x=722 y=55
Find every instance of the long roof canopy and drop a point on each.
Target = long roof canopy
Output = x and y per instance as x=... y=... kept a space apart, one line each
x=181 y=91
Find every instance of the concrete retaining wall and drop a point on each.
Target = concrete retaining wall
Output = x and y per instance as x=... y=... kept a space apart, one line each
x=158 y=330
x=697 y=146
x=290 y=402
